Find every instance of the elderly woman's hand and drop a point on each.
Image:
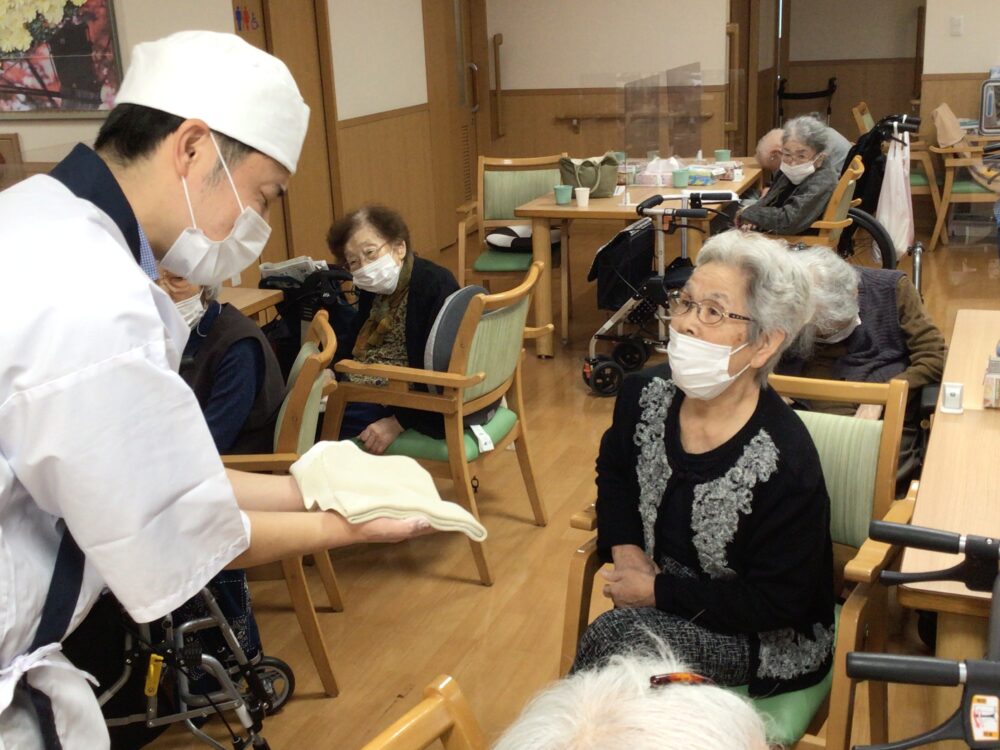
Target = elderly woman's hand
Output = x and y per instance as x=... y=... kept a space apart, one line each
x=632 y=556
x=391 y=529
x=630 y=587
x=378 y=436
x=869 y=411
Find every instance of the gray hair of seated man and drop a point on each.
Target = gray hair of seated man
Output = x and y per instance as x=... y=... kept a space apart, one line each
x=777 y=291
x=614 y=706
x=808 y=130
x=834 y=288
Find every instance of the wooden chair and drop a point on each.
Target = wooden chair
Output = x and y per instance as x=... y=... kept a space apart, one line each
x=295 y=433
x=923 y=181
x=485 y=366
x=959 y=187
x=835 y=218
x=503 y=185
x=859 y=459
x=443 y=715
x=863 y=118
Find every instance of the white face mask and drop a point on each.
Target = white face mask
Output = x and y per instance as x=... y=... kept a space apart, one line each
x=207 y=262
x=796 y=173
x=843 y=333
x=378 y=277
x=191 y=309
x=700 y=368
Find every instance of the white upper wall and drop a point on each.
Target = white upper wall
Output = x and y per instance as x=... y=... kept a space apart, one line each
x=138 y=21
x=378 y=55
x=854 y=29
x=975 y=50
x=602 y=43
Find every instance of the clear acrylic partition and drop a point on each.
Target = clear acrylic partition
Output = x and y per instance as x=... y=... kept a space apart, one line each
x=683 y=111
x=642 y=116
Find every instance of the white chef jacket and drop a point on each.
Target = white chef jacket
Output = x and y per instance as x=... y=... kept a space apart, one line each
x=96 y=429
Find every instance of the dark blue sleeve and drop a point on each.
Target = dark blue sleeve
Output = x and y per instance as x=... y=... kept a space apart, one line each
x=234 y=391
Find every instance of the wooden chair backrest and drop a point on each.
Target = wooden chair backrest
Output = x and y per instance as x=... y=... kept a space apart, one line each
x=863 y=118
x=513 y=182
x=443 y=715
x=840 y=201
x=295 y=430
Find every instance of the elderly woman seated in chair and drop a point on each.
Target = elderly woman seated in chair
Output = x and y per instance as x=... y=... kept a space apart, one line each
x=399 y=298
x=710 y=496
x=802 y=188
x=868 y=325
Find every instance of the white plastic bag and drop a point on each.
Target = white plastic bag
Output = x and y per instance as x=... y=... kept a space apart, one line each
x=895 y=205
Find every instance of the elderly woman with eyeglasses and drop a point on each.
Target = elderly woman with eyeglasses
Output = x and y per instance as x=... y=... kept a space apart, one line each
x=399 y=298
x=803 y=186
x=710 y=497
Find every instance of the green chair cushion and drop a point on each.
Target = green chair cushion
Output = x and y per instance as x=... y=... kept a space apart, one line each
x=968 y=186
x=417 y=445
x=787 y=716
x=491 y=261
x=919 y=179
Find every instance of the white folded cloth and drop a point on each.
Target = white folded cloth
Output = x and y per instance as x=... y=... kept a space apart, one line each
x=339 y=476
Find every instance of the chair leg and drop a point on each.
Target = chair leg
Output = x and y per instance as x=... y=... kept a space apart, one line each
x=564 y=284
x=516 y=402
x=878 y=692
x=302 y=601
x=324 y=566
x=938 y=224
x=582 y=571
x=463 y=489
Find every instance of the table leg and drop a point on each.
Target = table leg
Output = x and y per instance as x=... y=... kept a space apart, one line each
x=541 y=249
x=958 y=637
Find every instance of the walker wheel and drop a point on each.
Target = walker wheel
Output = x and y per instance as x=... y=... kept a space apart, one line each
x=630 y=354
x=589 y=363
x=278 y=679
x=606 y=378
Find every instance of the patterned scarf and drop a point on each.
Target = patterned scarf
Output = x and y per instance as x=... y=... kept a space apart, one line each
x=374 y=330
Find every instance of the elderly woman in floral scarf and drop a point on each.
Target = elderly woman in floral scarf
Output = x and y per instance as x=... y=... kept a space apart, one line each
x=399 y=298
x=710 y=496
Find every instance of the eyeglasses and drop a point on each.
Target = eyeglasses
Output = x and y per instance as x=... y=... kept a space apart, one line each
x=367 y=253
x=710 y=313
x=681 y=678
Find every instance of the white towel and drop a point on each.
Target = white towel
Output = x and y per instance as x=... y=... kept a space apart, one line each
x=340 y=476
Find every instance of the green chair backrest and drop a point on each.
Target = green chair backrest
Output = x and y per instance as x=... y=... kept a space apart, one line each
x=848 y=451
x=506 y=189
x=310 y=418
x=496 y=346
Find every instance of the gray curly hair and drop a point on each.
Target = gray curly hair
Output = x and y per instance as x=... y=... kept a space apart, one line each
x=808 y=130
x=777 y=290
x=834 y=292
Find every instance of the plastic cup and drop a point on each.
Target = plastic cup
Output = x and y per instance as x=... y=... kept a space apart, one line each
x=564 y=194
x=681 y=177
x=723 y=154
x=582 y=197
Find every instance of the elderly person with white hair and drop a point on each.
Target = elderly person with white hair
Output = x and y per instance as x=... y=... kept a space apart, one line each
x=806 y=181
x=868 y=325
x=710 y=496
x=639 y=702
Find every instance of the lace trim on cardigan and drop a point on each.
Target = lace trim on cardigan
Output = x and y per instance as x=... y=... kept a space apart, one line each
x=652 y=468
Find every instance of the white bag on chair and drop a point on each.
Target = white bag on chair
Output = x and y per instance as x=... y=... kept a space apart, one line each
x=895 y=204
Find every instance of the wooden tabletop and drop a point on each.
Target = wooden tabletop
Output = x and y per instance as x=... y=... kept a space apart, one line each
x=612 y=208
x=960 y=482
x=248 y=300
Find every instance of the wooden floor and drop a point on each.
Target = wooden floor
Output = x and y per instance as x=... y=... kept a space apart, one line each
x=414 y=610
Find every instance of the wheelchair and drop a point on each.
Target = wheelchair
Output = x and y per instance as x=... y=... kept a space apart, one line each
x=166 y=656
x=977 y=720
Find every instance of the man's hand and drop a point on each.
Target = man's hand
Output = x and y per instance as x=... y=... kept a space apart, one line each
x=391 y=529
x=379 y=435
x=629 y=587
x=869 y=411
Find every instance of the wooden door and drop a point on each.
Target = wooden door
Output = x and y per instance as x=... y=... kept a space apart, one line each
x=738 y=33
x=456 y=82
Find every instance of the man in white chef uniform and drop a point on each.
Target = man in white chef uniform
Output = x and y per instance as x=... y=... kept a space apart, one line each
x=108 y=473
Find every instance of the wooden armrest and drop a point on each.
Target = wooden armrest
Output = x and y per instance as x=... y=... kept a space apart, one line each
x=539 y=331
x=261 y=462
x=585 y=520
x=467 y=208
x=855 y=203
x=874 y=556
x=410 y=374
x=821 y=224
x=963 y=149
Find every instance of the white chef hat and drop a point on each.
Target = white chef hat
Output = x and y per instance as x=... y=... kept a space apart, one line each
x=237 y=89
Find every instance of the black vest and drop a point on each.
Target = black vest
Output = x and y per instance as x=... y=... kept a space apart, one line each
x=257 y=435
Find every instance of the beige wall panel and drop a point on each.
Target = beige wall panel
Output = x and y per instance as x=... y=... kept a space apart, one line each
x=386 y=160
x=824 y=31
x=884 y=84
x=975 y=49
x=961 y=91
x=532 y=129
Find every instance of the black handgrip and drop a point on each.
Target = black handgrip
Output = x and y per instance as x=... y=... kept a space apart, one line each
x=690 y=213
x=904 y=119
x=991 y=148
x=719 y=196
x=912 y=670
x=914 y=536
x=650 y=202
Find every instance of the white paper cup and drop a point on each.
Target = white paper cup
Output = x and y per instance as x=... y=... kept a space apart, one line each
x=582 y=197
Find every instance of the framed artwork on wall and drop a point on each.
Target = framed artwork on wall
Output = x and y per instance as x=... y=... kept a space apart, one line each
x=58 y=59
